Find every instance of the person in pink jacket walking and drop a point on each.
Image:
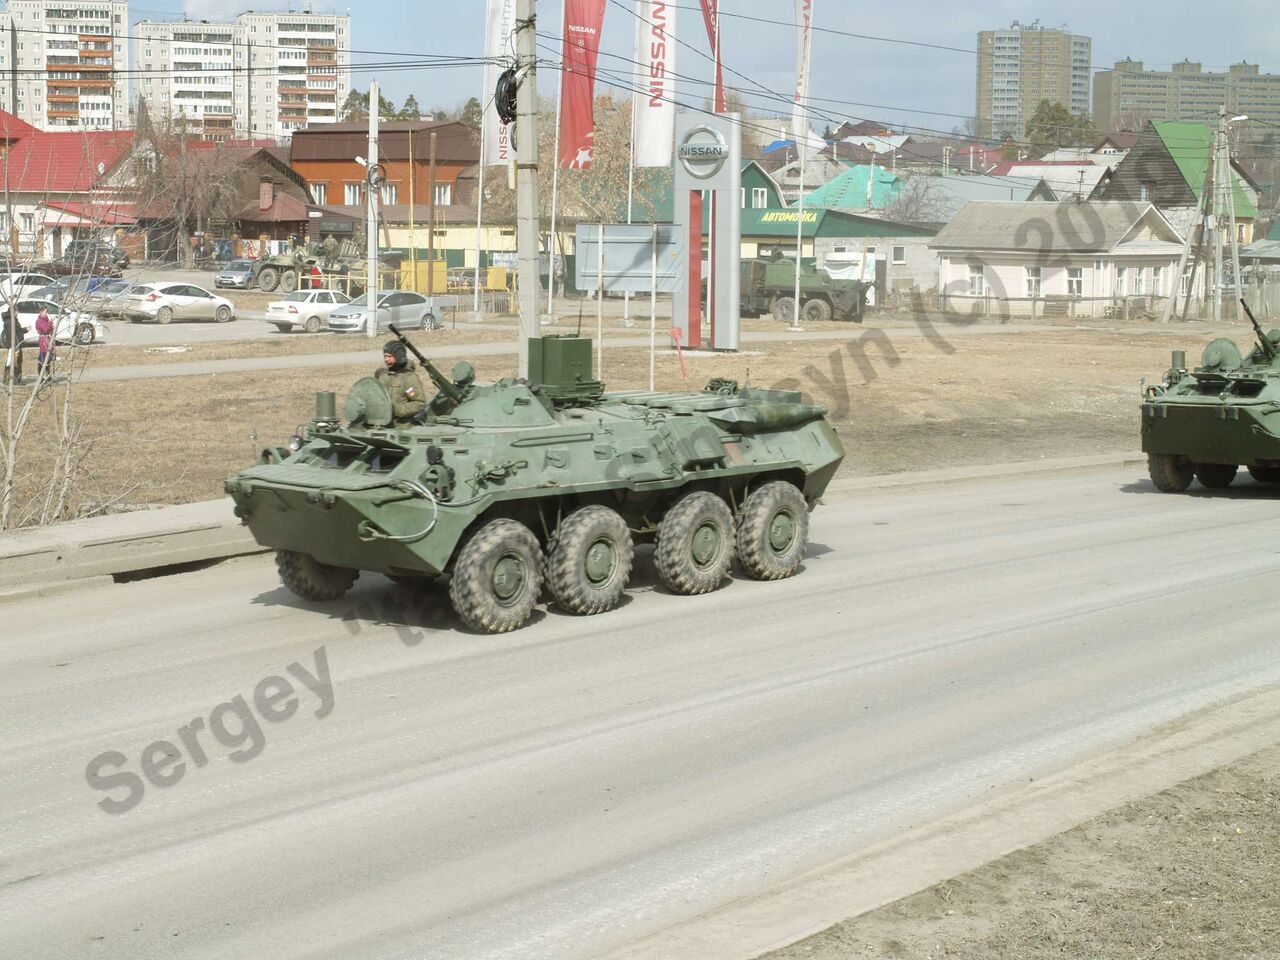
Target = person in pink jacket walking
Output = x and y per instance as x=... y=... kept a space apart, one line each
x=44 y=330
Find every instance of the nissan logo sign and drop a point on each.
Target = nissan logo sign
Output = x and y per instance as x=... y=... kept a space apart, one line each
x=703 y=152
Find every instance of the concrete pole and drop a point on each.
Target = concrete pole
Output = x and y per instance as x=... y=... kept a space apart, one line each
x=527 y=176
x=431 y=221
x=371 y=222
x=555 y=176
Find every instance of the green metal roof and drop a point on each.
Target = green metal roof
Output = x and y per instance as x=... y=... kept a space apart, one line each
x=1191 y=146
x=848 y=191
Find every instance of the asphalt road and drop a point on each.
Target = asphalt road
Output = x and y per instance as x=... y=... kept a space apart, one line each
x=568 y=789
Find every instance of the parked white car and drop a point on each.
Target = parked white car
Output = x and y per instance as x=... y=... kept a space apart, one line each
x=68 y=325
x=165 y=302
x=305 y=310
x=17 y=285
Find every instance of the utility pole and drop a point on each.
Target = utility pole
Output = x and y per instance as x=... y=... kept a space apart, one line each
x=431 y=219
x=527 y=175
x=371 y=219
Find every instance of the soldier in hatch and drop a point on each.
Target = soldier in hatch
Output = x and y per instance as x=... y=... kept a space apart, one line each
x=403 y=385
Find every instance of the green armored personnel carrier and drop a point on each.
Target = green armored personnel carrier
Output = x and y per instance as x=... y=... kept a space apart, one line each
x=511 y=485
x=769 y=286
x=1207 y=422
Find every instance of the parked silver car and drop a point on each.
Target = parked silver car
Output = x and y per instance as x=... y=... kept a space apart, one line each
x=305 y=310
x=409 y=311
x=165 y=302
x=237 y=273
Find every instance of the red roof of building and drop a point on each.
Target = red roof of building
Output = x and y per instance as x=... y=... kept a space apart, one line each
x=284 y=208
x=40 y=161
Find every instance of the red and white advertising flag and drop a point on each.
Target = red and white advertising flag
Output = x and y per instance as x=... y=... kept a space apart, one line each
x=499 y=22
x=805 y=138
x=583 y=20
x=654 y=102
x=711 y=16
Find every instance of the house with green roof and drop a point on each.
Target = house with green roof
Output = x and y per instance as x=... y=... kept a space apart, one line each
x=1167 y=167
x=862 y=187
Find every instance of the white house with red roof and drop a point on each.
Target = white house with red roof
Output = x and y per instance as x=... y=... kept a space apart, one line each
x=57 y=186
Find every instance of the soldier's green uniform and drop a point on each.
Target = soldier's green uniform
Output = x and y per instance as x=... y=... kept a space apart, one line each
x=402 y=383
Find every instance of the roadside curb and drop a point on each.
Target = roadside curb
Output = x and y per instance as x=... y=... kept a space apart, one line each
x=46 y=560
x=892 y=870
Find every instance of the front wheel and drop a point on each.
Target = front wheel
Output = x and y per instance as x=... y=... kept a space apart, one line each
x=773 y=531
x=1216 y=476
x=85 y=334
x=312 y=580
x=695 y=544
x=222 y=314
x=590 y=564
x=497 y=577
x=1169 y=472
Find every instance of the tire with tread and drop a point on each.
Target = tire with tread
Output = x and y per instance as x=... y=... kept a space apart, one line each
x=816 y=310
x=268 y=279
x=784 y=310
x=164 y=315
x=288 y=281
x=1265 y=474
x=312 y=580
x=312 y=325
x=1169 y=472
x=501 y=554
x=590 y=560
x=773 y=531
x=695 y=544
x=1216 y=476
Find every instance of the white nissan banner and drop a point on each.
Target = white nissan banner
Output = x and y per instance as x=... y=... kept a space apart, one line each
x=500 y=21
x=805 y=138
x=654 y=100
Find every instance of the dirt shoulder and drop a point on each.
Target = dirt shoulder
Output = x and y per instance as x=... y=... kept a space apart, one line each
x=1189 y=872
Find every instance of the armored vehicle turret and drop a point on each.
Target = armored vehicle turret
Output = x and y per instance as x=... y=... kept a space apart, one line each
x=1207 y=422
x=511 y=485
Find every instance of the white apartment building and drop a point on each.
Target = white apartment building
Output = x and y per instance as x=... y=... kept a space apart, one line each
x=262 y=76
x=63 y=63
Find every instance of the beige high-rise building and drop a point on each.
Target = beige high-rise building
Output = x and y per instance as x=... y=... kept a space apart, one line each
x=262 y=76
x=1127 y=96
x=63 y=63
x=1023 y=64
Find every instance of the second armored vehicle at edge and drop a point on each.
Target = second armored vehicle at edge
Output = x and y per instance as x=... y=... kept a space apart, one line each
x=1206 y=423
x=509 y=485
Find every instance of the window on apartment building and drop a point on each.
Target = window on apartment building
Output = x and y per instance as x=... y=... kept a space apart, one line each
x=977 y=281
x=444 y=194
x=391 y=193
x=319 y=193
x=759 y=198
x=900 y=254
x=1075 y=281
x=351 y=194
x=1033 y=281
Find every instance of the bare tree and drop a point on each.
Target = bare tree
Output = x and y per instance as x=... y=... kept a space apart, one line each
x=918 y=201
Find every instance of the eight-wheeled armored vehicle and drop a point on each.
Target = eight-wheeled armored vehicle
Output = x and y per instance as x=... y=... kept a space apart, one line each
x=511 y=485
x=1207 y=422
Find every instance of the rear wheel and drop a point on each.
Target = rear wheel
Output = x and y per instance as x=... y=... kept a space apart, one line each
x=288 y=281
x=590 y=563
x=773 y=531
x=164 y=315
x=695 y=544
x=85 y=334
x=784 y=310
x=1216 y=476
x=312 y=325
x=312 y=580
x=816 y=310
x=497 y=577
x=222 y=314
x=268 y=279
x=1265 y=474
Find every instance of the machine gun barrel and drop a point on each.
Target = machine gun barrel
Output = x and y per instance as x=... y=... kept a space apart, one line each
x=443 y=383
x=1268 y=348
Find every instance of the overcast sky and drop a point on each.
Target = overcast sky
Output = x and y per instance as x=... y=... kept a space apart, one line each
x=908 y=84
